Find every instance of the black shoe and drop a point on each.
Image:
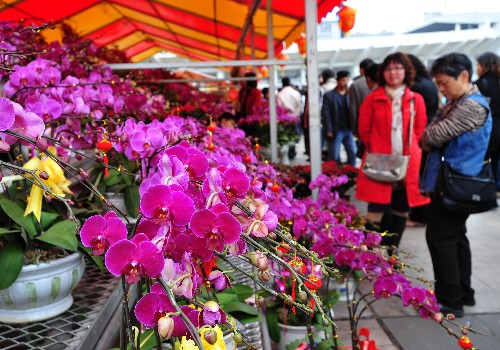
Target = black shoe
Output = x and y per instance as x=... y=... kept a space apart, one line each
x=449 y=310
x=469 y=302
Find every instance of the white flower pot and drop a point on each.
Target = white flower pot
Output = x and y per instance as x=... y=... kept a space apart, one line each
x=292 y=334
x=41 y=291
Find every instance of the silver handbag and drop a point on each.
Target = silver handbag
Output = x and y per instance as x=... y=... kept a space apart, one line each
x=389 y=167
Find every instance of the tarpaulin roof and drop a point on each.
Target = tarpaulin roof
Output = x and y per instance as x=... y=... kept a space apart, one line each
x=196 y=29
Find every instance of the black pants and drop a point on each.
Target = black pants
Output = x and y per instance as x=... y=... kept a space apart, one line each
x=451 y=256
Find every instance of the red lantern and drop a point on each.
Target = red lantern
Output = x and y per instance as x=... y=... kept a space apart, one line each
x=465 y=342
x=104 y=146
x=347 y=17
x=282 y=56
x=301 y=43
x=313 y=283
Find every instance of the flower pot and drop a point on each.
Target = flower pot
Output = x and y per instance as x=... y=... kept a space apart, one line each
x=41 y=291
x=118 y=200
x=291 y=334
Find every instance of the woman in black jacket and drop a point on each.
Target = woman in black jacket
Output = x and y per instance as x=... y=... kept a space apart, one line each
x=488 y=70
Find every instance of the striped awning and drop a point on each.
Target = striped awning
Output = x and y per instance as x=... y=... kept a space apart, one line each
x=197 y=29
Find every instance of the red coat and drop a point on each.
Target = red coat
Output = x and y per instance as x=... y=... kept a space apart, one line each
x=374 y=128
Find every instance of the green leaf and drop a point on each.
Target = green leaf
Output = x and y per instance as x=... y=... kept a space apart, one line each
x=4 y=231
x=11 y=262
x=62 y=234
x=325 y=344
x=272 y=325
x=243 y=292
x=132 y=200
x=113 y=179
x=241 y=307
x=96 y=259
x=16 y=213
x=47 y=219
x=226 y=298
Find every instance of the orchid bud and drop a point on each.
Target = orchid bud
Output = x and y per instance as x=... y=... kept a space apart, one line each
x=302 y=296
x=41 y=144
x=70 y=122
x=464 y=330
x=83 y=174
x=70 y=202
x=265 y=276
x=98 y=158
x=262 y=263
x=166 y=327
x=64 y=142
x=363 y=248
x=108 y=203
x=253 y=258
x=78 y=156
x=238 y=338
x=450 y=317
x=260 y=302
x=272 y=235
x=4 y=146
x=279 y=253
x=288 y=300
x=43 y=175
x=210 y=336
x=48 y=198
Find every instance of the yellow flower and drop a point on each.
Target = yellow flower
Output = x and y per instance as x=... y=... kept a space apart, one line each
x=191 y=345
x=57 y=182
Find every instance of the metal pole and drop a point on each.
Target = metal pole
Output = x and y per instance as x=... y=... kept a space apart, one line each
x=254 y=6
x=203 y=64
x=313 y=88
x=272 y=84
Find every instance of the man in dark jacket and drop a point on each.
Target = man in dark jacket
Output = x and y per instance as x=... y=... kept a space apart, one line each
x=335 y=114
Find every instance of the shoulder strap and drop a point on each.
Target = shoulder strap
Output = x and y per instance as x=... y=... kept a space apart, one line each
x=412 y=117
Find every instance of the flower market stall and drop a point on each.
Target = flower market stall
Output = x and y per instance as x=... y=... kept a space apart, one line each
x=210 y=237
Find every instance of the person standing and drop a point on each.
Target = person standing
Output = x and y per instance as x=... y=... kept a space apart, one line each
x=488 y=69
x=249 y=97
x=460 y=132
x=335 y=113
x=289 y=98
x=357 y=92
x=384 y=124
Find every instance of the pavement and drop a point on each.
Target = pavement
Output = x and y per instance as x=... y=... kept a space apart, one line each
x=393 y=326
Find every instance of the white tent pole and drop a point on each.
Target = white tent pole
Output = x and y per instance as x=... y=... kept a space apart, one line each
x=313 y=88
x=272 y=84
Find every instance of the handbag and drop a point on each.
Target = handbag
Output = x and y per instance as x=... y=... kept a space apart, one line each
x=464 y=193
x=389 y=168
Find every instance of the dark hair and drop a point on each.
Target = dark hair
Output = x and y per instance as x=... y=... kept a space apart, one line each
x=452 y=64
x=227 y=116
x=265 y=91
x=285 y=81
x=251 y=83
x=342 y=74
x=372 y=72
x=490 y=62
x=327 y=74
x=402 y=59
x=364 y=64
x=420 y=70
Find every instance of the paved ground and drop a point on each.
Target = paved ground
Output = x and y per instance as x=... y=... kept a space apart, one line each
x=396 y=327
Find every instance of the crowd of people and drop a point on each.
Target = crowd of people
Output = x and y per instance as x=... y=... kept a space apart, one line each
x=400 y=110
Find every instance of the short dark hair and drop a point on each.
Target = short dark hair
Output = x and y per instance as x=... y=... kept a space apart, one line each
x=364 y=64
x=327 y=74
x=420 y=70
x=342 y=74
x=490 y=62
x=452 y=64
x=251 y=83
x=285 y=81
x=402 y=59
x=372 y=72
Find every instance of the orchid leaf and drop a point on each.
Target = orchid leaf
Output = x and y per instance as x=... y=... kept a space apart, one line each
x=62 y=234
x=241 y=307
x=96 y=259
x=16 y=213
x=272 y=325
x=11 y=262
x=132 y=200
x=47 y=219
x=243 y=292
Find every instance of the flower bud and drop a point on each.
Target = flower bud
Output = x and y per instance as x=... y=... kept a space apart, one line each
x=4 y=146
x=279 y=253
x=124 y=138
x=166 y=327
x=70 y=122
x=265 y=276
x=302 y=296
x=272 y=235
x=48 y=198
x=83 y=174
x=64 y=142
x=262 y=263
x=78 y=156
x=98 y=158
x=253 y=258
x=364 y=248
x=41 y=144
x=43 y=175
x=260 y=302
x=210 y=336
x=238 y=338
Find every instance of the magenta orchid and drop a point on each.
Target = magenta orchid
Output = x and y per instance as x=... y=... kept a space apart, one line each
x=216 y=228
x=100 y=232
x=135 y=258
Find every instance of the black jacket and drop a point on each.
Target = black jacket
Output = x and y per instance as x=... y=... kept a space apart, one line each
x=489 y=85
x=428 y=90
x=332 y=110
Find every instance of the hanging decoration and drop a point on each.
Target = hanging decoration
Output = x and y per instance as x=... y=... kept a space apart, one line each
x=302 y=44
x=104 y=145
x=347 y=18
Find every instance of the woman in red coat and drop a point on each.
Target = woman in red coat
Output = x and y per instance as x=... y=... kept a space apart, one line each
x=384 y=120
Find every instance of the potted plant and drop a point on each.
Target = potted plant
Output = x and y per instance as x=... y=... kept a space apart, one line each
x=39 y=260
